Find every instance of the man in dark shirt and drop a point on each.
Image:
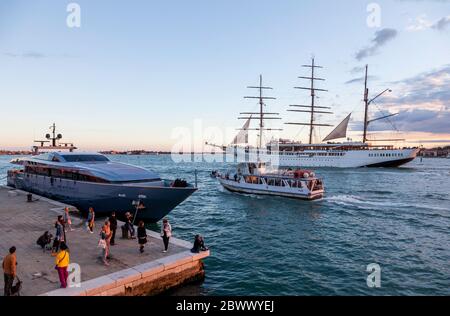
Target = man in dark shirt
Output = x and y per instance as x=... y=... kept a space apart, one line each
x=113 y=226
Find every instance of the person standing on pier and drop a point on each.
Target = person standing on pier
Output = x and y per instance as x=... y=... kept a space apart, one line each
x=9 y=270
x=62 y=261
x=90 y=220
x=166 y=233
x=113 y=226
x=60 y=235
x=104 y=244
x=142 y=236
x=108 y=236
x=67 y=219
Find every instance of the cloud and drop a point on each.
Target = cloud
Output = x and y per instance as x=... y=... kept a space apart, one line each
x=416 y=121
x=381 y=38
x=421 y=23
x=442 y=23
x=357 y=69
x=31 y=54
x=361 y=79
x=423 y=103
x=426 y=90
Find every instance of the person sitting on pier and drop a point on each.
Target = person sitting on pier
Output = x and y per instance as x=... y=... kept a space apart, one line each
x=45 y=240
x=199 y=244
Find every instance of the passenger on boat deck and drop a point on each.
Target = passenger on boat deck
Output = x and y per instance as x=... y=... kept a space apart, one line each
x=235 y=177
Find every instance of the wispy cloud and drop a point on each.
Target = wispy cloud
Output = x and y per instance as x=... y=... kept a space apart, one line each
x=30 y=54
x=442 y=23
x=380 y=39
x=422 y=23
x=422 y=100
x=361 y=79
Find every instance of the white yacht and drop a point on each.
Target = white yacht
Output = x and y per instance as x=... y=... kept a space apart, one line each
x=289 y=153
x=257 y=178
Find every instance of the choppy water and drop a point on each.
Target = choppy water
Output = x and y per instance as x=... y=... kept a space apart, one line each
x=398 y=218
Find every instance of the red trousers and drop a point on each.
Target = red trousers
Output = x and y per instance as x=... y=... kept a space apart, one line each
x=63 y=275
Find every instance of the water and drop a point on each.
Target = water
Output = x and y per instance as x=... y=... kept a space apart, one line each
x=398 y=218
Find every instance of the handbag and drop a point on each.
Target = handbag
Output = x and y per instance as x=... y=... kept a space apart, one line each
x=102 y=244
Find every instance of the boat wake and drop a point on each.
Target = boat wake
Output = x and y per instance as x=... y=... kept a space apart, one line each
x=351 y=200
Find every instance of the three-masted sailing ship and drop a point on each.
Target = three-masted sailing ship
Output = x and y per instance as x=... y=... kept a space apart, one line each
x=346 y=154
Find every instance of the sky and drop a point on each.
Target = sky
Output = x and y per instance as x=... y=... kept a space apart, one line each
x=154 y=74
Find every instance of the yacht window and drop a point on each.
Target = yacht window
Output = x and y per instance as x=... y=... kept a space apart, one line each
x=84 y=158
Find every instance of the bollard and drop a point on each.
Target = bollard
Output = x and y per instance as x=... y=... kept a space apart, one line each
x=29 y=197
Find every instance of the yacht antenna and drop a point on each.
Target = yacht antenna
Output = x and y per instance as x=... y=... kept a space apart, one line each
x=311 y=108
x=261 y=115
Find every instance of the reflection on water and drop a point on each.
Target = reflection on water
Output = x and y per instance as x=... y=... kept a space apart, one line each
x=399 y=218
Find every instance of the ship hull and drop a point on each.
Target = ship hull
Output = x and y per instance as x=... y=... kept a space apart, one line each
x=246 y=188
x=336 y=158
x=105 y=198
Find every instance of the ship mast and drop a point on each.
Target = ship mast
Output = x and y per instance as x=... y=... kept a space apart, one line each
x=261 y=115
x=366 y=106
x=367 y=102
x=313 y=107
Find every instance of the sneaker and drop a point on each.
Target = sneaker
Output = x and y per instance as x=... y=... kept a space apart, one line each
x=164 y=251
x=91 y=231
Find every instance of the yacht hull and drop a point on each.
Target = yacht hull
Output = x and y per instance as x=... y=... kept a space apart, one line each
x=158 y=201
x=335 y=158
x=246 y=188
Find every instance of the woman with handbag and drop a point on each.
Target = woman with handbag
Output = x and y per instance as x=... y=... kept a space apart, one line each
x=67 y=219
x=142 y=236
x=90 y=222
x=102 y=244
x=166 y=233
x=62 y=261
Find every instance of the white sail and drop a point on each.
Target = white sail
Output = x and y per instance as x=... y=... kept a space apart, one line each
x=340 y=131
x=242 y=136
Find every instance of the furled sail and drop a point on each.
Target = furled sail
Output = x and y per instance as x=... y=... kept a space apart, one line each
x=242 y=136
x=340 y=131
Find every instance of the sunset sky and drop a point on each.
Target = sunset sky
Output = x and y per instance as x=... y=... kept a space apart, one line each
x=138 y=74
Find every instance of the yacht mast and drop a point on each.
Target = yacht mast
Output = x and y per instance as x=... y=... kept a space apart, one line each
x=366 y=104
x=311 y=108
x=261 y=115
